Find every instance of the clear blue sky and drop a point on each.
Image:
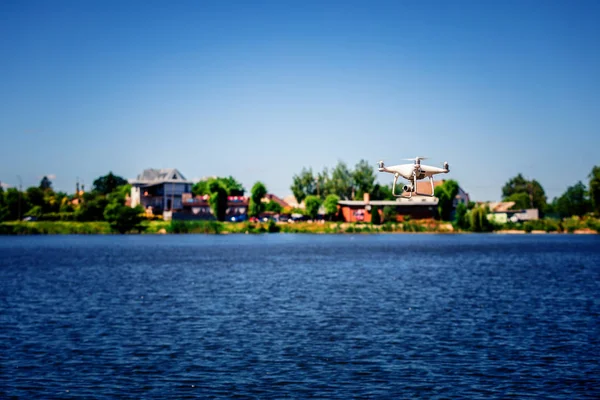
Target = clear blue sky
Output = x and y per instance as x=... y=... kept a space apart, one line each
x=259 y=90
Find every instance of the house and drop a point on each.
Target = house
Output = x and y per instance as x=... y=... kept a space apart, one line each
x=198 y=207
x=417 y=207
x=271 y=197
x=160 y=190
x=292 y=202
x=501 y=212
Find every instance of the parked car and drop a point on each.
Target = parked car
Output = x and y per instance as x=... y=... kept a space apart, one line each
x=239 y=218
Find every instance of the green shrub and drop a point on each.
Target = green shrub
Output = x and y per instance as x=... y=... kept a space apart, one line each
x=55 y=227
x=375 y=216
x=182 y=227
x=409 y=226
x=59 y=216
x=571 y=224
x=593 y=224
x=272 y=227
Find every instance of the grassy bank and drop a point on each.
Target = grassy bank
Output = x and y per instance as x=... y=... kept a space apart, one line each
x=215 y=227
x=54 y=228
x=567 y=225
x=571 y=225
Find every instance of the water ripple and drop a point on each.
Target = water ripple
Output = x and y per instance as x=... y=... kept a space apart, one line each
x=382 y=316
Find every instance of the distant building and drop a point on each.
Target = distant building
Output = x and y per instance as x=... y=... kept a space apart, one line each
x=198 y=207
x=159 y=189
x=292 y=202
x=501 y=212
x=271 y=197
x=417 y=207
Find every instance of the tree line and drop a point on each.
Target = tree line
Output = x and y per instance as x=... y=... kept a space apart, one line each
x=219 y=189
x=328 y=187
x=577 y=200
x=106 y=200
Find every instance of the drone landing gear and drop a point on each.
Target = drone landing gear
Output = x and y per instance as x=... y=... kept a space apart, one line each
x=396 y=176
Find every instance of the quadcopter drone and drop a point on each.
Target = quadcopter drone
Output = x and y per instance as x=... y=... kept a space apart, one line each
x=412 y=173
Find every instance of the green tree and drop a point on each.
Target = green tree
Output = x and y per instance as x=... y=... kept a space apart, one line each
x=66 y=206
x=15 y=202
x=312 y=204
x=446 y=194
x=200 y=188
x=123 y=218
x=218 y=199
x=331 y=206
x=303 y=184
x=256 y=206
x=382 y=192
x=389 y=214
x=234 y=188
x=535 y=191
x=595 y=189
x=574 y=201
x=322 y=184
x=4 y=213
x=363 y=178
x=120 y=193
x=273 y=206
x=91 y=208
x=108 y=183
x=35 y=196
x=45 y=183
x=341 y=183
x=231 y=185
x=35 y=211
x=462 y=218
x=479 y=220
x=521 y=199
x=375 y=217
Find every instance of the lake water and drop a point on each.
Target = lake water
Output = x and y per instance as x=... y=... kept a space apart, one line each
x=301 y=316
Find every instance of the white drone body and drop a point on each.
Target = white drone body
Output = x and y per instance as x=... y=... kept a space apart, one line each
x=412 y=173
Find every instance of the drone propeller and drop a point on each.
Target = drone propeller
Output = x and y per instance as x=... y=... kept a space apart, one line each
x=415 y=159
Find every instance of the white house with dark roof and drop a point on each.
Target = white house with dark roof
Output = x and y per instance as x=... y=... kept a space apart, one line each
x=160 y=189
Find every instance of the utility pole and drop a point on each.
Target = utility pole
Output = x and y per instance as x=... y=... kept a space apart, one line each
x=20 y=185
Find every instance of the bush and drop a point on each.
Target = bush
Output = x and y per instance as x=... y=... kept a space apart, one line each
x=375 y=217
x=54 y=227
x=409 y=226
x=123 y=218
x=195 y=227
x=571 y=224
x=272 y=227
x=59 y=216
x=593 y=224
x=389 y=214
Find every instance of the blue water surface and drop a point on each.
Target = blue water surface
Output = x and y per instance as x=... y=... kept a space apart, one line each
x=300 y=316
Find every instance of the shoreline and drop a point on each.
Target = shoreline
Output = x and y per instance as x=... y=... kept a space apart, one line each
x=227 y=228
